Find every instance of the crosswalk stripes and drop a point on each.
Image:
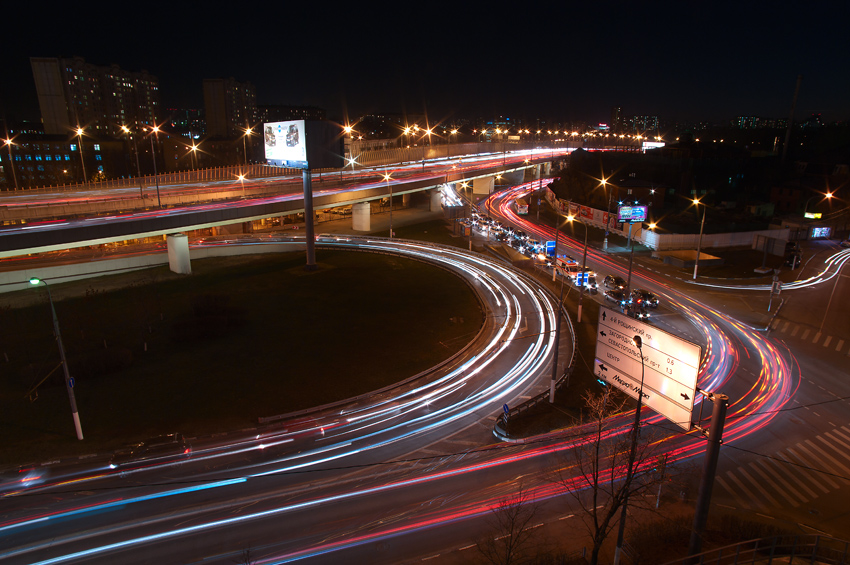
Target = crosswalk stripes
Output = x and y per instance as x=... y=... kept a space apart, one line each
x=793 y=476
x=794 y=329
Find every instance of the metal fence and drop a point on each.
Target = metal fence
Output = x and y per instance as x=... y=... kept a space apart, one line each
x=801 y=549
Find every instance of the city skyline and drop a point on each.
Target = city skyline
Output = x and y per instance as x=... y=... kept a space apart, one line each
x=569 y=64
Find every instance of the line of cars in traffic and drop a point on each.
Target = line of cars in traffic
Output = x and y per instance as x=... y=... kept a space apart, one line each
x=636 y=303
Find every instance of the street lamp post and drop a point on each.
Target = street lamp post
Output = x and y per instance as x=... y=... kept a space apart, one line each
x=636 y=340
x=9 y=145
x=69 y=383
x=582 y=272
x=608 y=216
x=153 y=156
x=82 y=161
x=699 y=242
x=387 y=178
x=138 y=168
x=248 y=131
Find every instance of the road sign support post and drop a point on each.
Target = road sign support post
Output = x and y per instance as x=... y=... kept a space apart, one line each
x=712 y=454
x=630 y=471
x=308 y=220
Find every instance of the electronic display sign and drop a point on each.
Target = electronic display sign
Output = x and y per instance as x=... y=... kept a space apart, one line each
x=301 y=144
x=631 y=214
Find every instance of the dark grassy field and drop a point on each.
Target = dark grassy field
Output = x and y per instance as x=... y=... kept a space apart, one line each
x=239 y=339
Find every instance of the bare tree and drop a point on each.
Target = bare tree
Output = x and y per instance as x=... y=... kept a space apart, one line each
x=594 y=471
x=510 y=536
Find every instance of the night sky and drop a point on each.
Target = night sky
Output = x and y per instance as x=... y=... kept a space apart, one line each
x=554 y=60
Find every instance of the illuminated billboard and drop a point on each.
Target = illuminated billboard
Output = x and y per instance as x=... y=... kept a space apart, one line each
x=631 y=214
x=285 y=144
x=301 y=144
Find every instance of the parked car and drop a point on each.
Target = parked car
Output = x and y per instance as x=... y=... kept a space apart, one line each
x=613 y=281
x=641 y=296
x=154 y=450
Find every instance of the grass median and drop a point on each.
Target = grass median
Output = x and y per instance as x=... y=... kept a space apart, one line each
x=239 y=339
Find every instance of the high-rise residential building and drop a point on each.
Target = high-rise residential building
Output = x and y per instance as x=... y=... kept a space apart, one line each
x=100 y=99
x=643 y=124
x=230 y=107
x=282 y=113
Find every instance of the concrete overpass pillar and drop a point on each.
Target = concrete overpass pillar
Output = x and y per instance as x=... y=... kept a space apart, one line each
x=361 y=216
x=483 y=185
x=405 y=200
x=514 y=177
x=178 y=254
x=547 y=168
x=436 y=198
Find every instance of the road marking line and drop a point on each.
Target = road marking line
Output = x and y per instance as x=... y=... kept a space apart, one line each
x=805 y=334
x=840 y=345
x=467 y=547
x=796 y=460
x=842 y=452
x=824 y=476
x=796 y=329
x=759 y=487
x=827 y=340
x=788 y=469
x=831 y=458
x=816 y=338
x=737 y=481
x=787 y=487
x=785 y=327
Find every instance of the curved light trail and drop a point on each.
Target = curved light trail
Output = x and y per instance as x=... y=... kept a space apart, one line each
x=388 y=421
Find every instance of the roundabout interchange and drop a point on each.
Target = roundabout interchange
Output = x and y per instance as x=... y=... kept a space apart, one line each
x=410 y=471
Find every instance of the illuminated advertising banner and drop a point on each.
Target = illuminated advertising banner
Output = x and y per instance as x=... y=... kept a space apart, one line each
x=286 y=144
x=301 y=144
x=631 y=214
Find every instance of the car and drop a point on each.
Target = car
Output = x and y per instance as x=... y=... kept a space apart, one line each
x=613 y=281
x=793 y=260
x=590 y=282
x=617 y=295
x=644 y=297
x=159 y=449
x=639 y=312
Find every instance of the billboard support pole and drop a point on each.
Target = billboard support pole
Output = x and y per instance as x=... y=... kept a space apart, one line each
x=308 y=220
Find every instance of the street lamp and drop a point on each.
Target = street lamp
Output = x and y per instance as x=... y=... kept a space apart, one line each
x=699 y=242
x=155 y=131
x=126 y=130
x=387 y=178
x=583 y=266
x=828 y=196
x=82 y=161
x=248 y=132
x=69 y=382
x=604 y=183
x=9 y=145
x=242 y=182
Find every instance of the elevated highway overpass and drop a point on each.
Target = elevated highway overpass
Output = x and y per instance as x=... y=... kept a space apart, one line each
x=83 y=218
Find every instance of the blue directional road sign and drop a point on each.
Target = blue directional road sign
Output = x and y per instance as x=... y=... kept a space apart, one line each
x=550 y=248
